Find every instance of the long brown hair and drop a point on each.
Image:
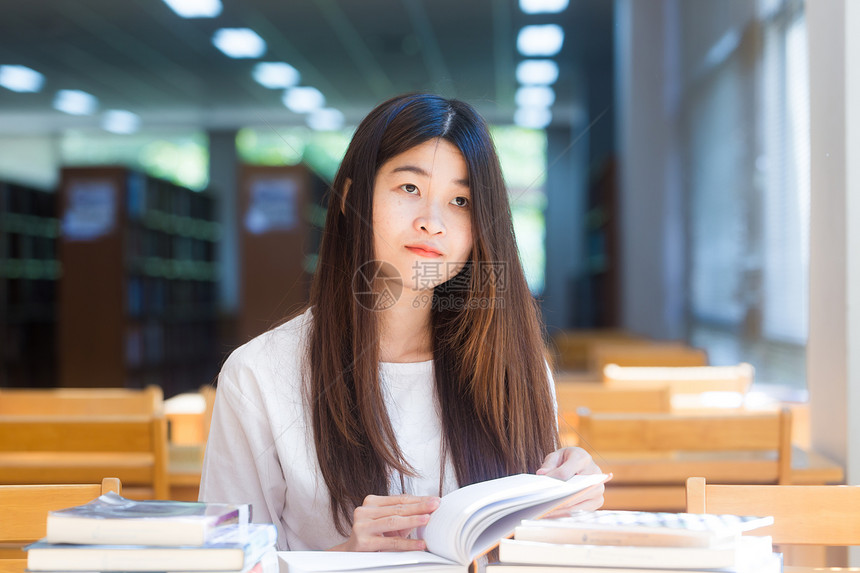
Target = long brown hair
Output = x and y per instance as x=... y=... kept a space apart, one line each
x=491 y=378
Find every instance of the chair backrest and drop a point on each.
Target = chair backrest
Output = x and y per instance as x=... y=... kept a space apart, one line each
x=574 y=347
x=652 y=354
x=75 y=449
x=802 y=514
x=682 y=379
x=24 y=508
x=571 y=396
x=80 y=401
x=747 y=447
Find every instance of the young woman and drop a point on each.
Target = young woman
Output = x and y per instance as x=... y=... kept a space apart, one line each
x=418 y=366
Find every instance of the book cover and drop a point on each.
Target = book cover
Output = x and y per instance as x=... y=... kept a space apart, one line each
x=658 y=529
x=467 y=524
x=733 y=554
x=112 y=519
x=232 y=548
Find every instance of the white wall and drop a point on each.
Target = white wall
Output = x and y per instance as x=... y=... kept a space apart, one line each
x=834 y=337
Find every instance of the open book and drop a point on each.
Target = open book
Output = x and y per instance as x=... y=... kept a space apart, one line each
x=468 y=523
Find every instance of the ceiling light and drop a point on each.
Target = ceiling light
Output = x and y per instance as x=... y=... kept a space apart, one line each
x=276 y=75
x=195 y=8
x=326 y=119
x=239 y=42
x=75 y=102
x=543 y=40
x=543 y=6
x=120 y=121
x=21 y=79
x=303 y=99
x=535 y=96
x=537 y=72
x=533 y=117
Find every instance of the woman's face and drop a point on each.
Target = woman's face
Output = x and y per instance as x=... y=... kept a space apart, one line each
x=422 y=223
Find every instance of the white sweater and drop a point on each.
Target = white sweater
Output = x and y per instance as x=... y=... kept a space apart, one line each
x=261 y=449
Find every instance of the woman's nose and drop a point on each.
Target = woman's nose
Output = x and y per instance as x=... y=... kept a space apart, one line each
x=430 y=218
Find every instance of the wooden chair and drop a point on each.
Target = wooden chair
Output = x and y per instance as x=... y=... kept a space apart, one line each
x=652 y=354
x=79 y=435
x=807 y=518
x=574 y=348
x=24 y=509
x=571 y=396
x=75 y=449
x=80 y=401
x=802 y=514
x=652 y=455
x=682 y=379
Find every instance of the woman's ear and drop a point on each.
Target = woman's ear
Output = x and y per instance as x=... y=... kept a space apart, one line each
x=343 y=196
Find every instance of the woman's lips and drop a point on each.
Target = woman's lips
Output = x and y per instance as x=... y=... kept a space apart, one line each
x=424 y=251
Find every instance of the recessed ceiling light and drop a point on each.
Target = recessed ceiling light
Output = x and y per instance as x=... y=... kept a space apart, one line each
x=276 y=75
x=21 y=79
x=75 y=102
x=537 y=72
x=120 y=121
x=540 y=40
x=543 y=6
x=535 y=96
x=533 y=117
x=326 y=119
x=195 y=8
x=239 y=42
x=303 y=99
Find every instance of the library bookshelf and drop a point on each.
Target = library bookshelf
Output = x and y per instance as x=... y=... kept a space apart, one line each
x=29 y=270
x=138 y=294
x=281 y=214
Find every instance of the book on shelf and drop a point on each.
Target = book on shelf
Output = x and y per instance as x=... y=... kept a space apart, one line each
x=232 y=548
x=112 y=519
x=467 y=524
x=658 y=529
x=740 y=553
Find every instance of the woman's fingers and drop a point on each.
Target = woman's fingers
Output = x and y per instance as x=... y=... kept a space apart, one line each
x=382 y=523
x=568 y=462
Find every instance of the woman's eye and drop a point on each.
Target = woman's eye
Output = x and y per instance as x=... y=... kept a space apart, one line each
x=410 y=188
x=460 y=201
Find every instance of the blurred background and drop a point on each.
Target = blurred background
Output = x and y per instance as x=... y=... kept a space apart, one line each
x=163 y=165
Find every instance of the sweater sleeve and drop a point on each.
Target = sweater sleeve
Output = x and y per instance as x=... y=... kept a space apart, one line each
x=241 y=463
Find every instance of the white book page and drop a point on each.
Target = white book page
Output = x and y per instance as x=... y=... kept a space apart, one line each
x=464 y=513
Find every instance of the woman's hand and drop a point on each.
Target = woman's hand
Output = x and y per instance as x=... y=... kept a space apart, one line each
x=566 y=463
x=383 y=522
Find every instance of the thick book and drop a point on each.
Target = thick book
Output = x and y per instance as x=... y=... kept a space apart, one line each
x=232 y=548
x=657 y=529
x=467 y=524
x=111 y=519
x=268 y=563
x=768 y=564
x=734 y=554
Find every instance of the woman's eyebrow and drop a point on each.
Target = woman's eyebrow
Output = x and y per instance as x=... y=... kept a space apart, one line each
x=423 y=173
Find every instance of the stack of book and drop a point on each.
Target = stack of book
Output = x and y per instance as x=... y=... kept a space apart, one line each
x=638 y=542
x=112 y=533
